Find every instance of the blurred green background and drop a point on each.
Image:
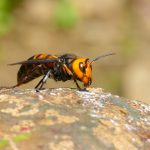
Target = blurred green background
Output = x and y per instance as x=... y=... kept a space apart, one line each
x=86 y=28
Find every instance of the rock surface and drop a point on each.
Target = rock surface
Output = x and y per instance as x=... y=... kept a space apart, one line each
x=67 y=119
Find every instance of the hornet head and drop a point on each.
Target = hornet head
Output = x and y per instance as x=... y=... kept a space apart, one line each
x=82 y=69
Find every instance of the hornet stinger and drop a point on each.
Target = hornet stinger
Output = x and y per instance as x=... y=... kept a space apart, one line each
x=60 y=68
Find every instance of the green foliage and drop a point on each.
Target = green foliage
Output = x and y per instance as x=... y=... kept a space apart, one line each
x=3 y=143
x=65 y=15
x=6 y=8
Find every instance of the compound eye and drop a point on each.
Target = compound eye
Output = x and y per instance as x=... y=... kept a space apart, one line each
x=82 y=68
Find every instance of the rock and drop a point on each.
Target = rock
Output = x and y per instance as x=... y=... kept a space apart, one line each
x=68 y=119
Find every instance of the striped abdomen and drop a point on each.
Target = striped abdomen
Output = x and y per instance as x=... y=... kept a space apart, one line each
x=28 y=72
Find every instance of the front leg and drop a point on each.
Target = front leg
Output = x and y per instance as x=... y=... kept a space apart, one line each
x=79 y=88
x=71 y=74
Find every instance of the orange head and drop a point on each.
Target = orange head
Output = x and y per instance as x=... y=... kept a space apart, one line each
x=82 y=69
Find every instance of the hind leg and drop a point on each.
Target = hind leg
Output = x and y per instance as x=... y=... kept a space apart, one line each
x=43 y=81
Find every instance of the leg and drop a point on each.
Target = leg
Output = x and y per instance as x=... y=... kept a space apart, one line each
x=77 y=84
x=43 y=81
x=80 y=89
x=67 y=69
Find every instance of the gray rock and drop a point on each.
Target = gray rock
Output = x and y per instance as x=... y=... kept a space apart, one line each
x=68 y=119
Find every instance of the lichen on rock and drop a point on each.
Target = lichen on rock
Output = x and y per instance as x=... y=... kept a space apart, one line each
x=66 y=118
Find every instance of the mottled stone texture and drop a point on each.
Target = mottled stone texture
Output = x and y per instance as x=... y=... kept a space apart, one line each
x=68 y=119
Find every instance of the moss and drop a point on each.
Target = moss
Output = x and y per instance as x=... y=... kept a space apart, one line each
x=17 y=138
x=22 y=137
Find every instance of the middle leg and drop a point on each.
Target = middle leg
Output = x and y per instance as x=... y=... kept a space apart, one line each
x=43 y=81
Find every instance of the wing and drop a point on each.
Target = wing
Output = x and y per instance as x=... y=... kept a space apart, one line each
x=37 y=61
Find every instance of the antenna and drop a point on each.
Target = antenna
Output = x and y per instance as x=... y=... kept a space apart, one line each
x=102 y=56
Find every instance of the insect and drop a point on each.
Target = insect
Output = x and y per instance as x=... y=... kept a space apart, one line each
x=60 y=68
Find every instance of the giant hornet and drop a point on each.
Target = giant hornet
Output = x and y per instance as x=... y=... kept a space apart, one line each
x=60 y=68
